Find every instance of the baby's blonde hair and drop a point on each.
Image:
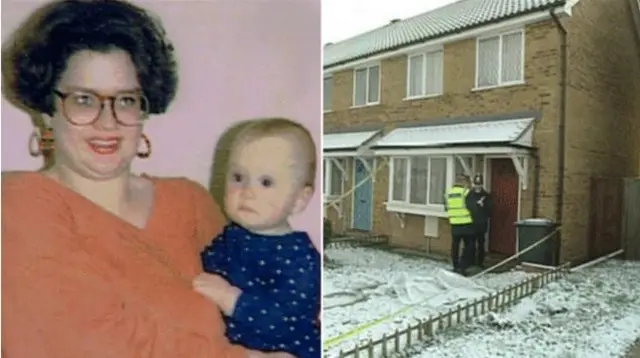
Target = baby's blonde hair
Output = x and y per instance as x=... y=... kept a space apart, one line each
x=277 y=126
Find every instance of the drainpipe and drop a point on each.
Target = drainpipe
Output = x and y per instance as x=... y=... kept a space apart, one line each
x=536 y=183
x=562 y=124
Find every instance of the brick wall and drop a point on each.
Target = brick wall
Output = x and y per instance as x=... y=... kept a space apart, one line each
x=635 y=13
x=603 y=126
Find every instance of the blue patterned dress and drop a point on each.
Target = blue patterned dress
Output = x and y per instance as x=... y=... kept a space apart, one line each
x=280 y=280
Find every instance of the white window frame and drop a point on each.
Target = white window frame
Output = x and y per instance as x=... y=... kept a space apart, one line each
x=501 y=36
x=405 y=206
x=324 y=79
x=367 y=102
x=329 y=166
x=464 y=156
x=424 y=54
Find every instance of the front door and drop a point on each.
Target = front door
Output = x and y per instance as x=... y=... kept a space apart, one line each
x=362 y=195
x=504 y=192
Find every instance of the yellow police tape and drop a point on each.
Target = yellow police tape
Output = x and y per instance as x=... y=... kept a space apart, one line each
x=333 y=341
x=337 y=339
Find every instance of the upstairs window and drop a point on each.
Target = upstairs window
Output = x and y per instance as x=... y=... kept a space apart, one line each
x=366 y=86
x=424 y=74
x=500 y=60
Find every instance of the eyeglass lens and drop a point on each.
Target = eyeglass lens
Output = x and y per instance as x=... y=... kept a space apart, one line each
x=84 y=108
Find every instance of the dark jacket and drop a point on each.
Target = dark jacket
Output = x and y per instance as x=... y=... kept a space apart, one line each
x=480 y=205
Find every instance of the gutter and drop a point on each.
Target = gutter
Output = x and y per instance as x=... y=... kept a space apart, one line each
x=562 y=125
x=475 y=145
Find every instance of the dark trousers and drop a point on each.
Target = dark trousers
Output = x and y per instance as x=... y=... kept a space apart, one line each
x=462 y=262
x=479 y=236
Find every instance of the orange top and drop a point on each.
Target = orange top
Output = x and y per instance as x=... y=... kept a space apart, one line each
x=79 y=282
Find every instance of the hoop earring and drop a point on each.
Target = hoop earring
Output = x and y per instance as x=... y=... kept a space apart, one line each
x=34 y=138
x=147 y=143
x=44 y=142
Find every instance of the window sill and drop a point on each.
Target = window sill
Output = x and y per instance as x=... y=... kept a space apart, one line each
x=325 y=111
x=502 y=85
x=428 y=96
x=364 y=105
x=421 y=210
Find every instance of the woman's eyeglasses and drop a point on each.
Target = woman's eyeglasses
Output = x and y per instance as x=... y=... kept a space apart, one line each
x=84 y=107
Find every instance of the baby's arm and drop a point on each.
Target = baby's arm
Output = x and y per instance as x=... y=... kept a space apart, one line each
x=297 y=289
x=214 y=283
x=214 y=257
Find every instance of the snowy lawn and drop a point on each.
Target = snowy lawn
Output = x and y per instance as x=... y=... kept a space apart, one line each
x=362 y=285
x=594 y=313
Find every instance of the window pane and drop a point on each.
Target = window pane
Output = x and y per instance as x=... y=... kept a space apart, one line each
x=336 y=179
x=399 y=179
x=326 y=94
x=434 y=73
x=512 y=57
x=458 y=167
x=488 y=66
x=374 y=84
x=437 y=180
x=419 y=178
x=360 y=87
x=416 y=75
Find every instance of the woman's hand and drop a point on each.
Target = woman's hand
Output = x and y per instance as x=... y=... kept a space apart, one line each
x=217 y=289
x=280 y=355
x=258 y=354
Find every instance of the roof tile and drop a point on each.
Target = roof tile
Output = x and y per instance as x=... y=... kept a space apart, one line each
x=452 y=18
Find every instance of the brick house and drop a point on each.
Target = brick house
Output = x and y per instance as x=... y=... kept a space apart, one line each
x=539 y=96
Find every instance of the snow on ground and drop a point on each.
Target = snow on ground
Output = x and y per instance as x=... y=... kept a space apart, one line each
x=362 y=285
x=593 y=313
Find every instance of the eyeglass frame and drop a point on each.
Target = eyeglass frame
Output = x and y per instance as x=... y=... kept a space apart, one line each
x=102 y=99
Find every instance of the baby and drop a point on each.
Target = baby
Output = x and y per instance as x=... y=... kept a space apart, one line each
x=264 y=276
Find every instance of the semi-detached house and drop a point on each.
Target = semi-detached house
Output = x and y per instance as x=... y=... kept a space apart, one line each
x=542 y=97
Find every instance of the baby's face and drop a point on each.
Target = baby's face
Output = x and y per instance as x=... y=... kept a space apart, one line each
x=264 y=183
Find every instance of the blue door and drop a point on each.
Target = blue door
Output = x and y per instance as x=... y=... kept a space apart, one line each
x=362 y=196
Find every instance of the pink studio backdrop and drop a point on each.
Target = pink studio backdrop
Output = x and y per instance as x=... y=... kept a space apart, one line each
x=239 y=59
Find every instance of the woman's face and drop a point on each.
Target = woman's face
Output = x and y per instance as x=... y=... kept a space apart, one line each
x=104 y=149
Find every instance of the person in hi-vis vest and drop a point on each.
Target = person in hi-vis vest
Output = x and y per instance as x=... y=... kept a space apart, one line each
x=462 y=230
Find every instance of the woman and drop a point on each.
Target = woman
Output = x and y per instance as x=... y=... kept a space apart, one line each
x=98 y=262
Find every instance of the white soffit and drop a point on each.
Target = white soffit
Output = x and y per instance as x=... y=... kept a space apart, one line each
x=497 y=131
x=346 y=141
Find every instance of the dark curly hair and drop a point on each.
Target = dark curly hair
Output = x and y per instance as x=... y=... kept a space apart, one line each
x=35 y=57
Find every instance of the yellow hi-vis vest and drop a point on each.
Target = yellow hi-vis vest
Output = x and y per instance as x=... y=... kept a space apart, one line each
x=457 y=207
